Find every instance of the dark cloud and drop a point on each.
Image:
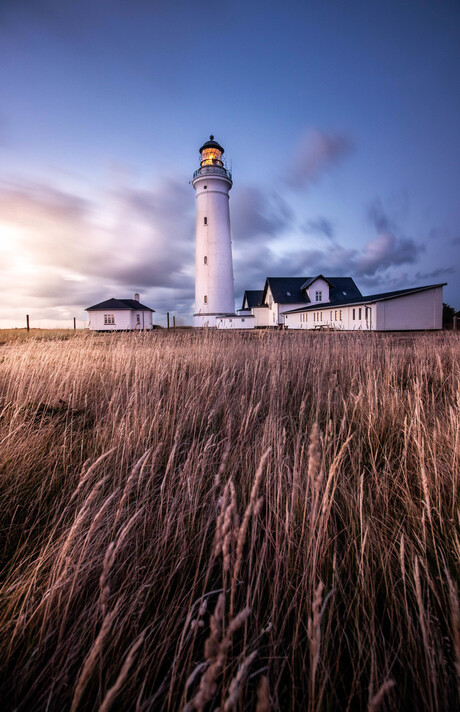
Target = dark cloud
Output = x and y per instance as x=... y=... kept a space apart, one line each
x=380 y=218
x=384 y=251
x=320 y=226
x=257 y=215
x=316 y=152
x=441 y=272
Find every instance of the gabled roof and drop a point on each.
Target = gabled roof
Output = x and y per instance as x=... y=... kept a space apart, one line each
x=292 y=290
x=310 y=281
x=369 y=298
x=117 y=304
x=253 y=298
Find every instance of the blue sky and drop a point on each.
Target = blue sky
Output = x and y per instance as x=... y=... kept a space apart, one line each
x=339 y=119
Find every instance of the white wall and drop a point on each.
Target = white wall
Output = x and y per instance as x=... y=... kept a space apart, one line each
x=125 y=320
x=261 y=316
x=339 y=319
x=422 y=310
x=319 y=285
x=236 y=322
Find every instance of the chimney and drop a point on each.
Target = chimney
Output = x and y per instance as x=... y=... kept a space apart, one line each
x=137 y=297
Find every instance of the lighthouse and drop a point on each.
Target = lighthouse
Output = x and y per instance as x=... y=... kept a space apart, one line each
x=214 y=292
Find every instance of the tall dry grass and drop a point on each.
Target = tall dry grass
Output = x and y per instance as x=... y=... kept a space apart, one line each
x=217 y=521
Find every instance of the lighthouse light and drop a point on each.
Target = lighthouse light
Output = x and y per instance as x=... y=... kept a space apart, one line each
x=211 y=157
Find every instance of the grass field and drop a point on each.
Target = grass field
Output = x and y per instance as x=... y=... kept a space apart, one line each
x=224 y=521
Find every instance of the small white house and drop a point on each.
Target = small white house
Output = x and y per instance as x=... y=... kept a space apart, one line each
x=120 y=315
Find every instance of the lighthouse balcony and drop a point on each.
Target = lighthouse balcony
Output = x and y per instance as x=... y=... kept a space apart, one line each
x=212 y=171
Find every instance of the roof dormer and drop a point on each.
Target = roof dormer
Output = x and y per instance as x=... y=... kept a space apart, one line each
x=317 y=289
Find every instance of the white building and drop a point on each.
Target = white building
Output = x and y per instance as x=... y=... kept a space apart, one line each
x=336 y=303
x=120 y=315
x=214 y=294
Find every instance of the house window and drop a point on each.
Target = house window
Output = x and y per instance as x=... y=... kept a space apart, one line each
x=354 y=314
x=205 y=298
x=242 y=319
x=331 y=315
x=314 y=316
x=340 y=315
x=138 y=318
x=359 y=313
x=205 y=259
x=205 y=221
x=109 y=318
x=335 y=316
x=318 y=296
x=321 y=316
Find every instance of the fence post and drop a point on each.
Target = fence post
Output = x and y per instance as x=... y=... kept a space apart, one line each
x=174 y=323
x=74 y=324
x=167 y=319
x=27 y=322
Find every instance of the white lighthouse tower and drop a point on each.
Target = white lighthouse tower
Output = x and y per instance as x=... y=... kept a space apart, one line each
x=214 y=293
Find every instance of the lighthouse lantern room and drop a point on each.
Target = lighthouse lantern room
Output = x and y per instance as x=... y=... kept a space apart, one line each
x=214 y=291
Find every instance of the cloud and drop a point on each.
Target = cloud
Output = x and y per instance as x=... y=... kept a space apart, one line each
x=386 y=250
x=256 y=215
x=380 y=218
x=316 y=152
x=441 y=272
x=320 y=226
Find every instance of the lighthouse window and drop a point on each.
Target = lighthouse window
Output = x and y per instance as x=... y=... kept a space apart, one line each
x=205 y=221
x=205 y=299
x=205 y=187
x=205 y=259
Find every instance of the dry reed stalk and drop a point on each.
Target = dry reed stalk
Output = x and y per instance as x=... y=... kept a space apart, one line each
x=263 y=695
x=236 y=684
x=91 y=658
x=112 y=693
x=229 y=530
x=377 y=700
x=130 y=482
x=84 y=477
x=314 y=638
x=254 y=502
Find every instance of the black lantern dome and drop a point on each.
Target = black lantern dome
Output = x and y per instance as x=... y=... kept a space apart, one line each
x=212 y=144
